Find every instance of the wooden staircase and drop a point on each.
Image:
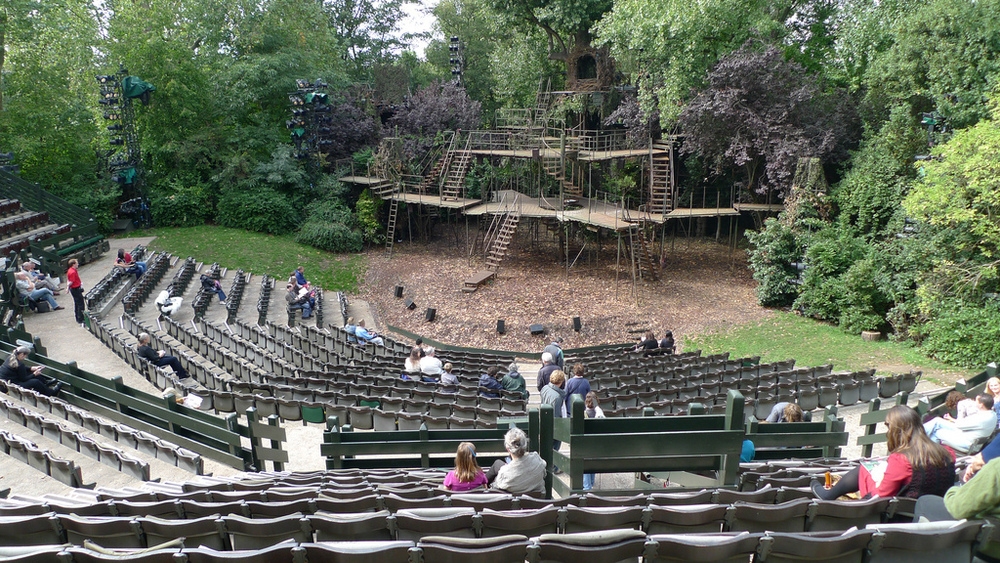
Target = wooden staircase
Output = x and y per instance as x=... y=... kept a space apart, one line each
x=660 y=184
x=443 y=160
x=642 y=260
x=554 y=167
x=454 y=180
x=497 y=240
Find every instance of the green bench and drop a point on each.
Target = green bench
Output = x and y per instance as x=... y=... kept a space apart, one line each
x=682 y=444
x=799 y=440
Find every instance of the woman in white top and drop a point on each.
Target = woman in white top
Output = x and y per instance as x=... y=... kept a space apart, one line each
x=412 y=363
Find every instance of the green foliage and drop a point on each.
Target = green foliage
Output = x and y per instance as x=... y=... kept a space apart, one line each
x=944 y=56
x=872 y=190
x=772 y=251
x=101 y=201
x=185 y=205
x=330 y=226
x=865 y=301
x=258 y=208
x=363 y=158
x=367 y=210
x=963 y=333
x=829 y=255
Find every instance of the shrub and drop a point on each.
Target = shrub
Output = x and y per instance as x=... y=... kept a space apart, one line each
x=326 y=235
x=256 y=208
x=773 y=250
x=367 y=211
x=182 y=205
x=964 y=334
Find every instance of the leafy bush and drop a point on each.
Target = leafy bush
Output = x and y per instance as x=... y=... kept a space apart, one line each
x=964 y=334
x=367 y=211
x=773 y=250
x=329 y=226
x=102 y=202
x=182 y=205
x=865 y=302
x=831 y=253
x=325 y=235
x=256 y=208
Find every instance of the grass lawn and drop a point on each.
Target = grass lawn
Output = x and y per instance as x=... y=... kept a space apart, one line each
x=276 y=256
x=812 y=343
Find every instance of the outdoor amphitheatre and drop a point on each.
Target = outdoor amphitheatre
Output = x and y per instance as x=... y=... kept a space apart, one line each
x=268 y=419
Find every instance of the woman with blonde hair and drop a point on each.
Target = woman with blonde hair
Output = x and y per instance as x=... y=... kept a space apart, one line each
x=993 y=388
x=16 y=372
x=916 y=466
x=467 y=474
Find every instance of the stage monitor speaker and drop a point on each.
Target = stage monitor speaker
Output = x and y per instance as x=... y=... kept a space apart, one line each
x=399 y=291
x=577 y=325
x=535 y=330
x=429 y=314
x=501 y=326
x=410 y=304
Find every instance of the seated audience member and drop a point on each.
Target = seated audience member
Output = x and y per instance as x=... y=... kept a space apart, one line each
x=40 y=279
x=419 y=343
x=526 y=471
x=213 y=285
x=349 y=328
x=159 y=358
x=16 y=372
x=411 y=365
x=544 y=372
x=295 y=302
x=785 y=412
x=449 y=381
x=365 y=337
x=166 y=304
x=26 y=288
x=961 y=434
x=916 y=466
x=667 y=344
x=430 y=367
x=467 y=474
x=489 y=384
x=962 y=406
x=125 y=262
x=648 y=342
x=513 y=381
x=576 y=385
x=300 y=276
x=978 y=499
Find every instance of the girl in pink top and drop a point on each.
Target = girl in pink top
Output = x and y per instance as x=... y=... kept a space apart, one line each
x=467 y=475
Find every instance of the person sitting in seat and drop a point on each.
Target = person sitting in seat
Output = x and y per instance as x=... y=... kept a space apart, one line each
x=785 y=412
x=648 y=344
x=364 y=336
x=514 y=381
x=159 y=358
x=411 y=365
x=26 y=288
x=213 y=285
x=16 y=372
x=449 y=381
x=467 y=474
x=40 y=279
x=667 y=344
x=300 y=276
x=961 y=434
x=349 y=328
x=125 y=262
x=430 y=367
x=488 y=384
x=916 y=466
x=525 y=473
x=295 y=302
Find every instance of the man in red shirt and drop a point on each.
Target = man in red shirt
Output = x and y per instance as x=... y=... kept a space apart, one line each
x=76 y=289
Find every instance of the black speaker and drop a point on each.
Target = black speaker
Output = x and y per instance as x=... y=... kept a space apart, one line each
x=429 y=314
x=535 y=330
x=399 y=291
x=577 y=325
x=410 y=304
x=501 y=326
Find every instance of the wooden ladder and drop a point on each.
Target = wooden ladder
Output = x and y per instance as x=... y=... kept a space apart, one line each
x=642 y=261
x=453 y=184
x=390 y=229
x=543 y=98
x=660 y=185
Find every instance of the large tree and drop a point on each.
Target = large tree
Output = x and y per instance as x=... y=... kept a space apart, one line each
x=760 y=113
